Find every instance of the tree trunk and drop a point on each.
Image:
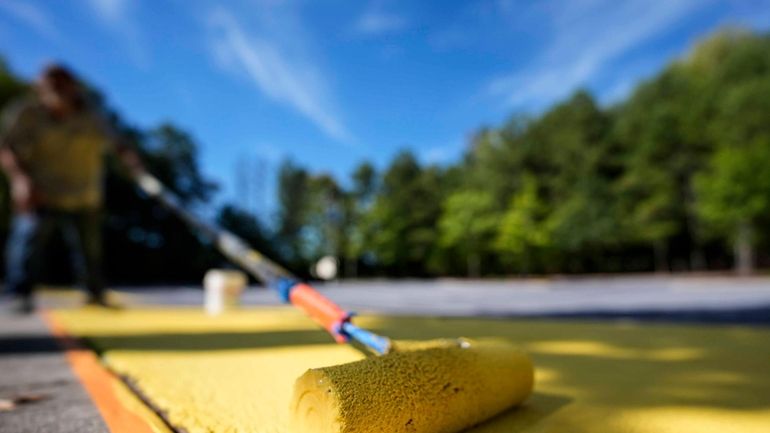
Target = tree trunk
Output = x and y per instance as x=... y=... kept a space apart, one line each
x=661 y=256
x=351 y=267
x=697 y=256
x=744 y=253
x=474 y=265
x=697 y=259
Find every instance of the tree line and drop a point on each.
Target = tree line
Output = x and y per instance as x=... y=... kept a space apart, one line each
x=675 y=177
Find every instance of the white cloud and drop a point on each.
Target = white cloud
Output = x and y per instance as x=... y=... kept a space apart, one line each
x=31 y=16
x=289 y=80
x=588 y=36
x=116 y=16
x=110 y=10
x=375 y=22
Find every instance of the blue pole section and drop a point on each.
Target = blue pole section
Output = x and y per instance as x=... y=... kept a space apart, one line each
x=377 y=343
x=283 y=286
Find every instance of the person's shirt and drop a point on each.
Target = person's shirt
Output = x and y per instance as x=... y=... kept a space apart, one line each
x=63 y=157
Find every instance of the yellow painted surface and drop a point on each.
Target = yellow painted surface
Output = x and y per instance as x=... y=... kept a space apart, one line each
x=235 y=373
x=435 y=388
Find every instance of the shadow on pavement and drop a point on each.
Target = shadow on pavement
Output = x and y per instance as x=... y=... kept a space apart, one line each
x=759 y=315
x=12 y=345
x=170 y=341
x=538 y=407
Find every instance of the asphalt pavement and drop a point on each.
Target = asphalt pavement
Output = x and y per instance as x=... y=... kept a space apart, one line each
x=39 y=392
x=33 y=369
x=669 y=298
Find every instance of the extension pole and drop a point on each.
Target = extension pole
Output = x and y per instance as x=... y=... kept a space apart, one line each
x=290 y=289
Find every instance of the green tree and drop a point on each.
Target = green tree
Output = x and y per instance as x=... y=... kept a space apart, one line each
x=733 y=192
x=142 y=235
x=403 y=216
x=494 y=158
x=570 y=152
x=364 y=182
x=654 y=190
x=323 y=232
x=249 y=228
x=11 y=87
x=358 y=202
x=523 y=234
x=172 y=155
x=293 y=194
x=468 y=223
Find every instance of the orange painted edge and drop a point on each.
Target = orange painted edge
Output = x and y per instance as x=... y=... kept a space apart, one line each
x=99 y=382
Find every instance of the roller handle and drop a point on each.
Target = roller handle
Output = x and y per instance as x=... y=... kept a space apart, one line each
x=329 y=315
x=325 y=312
x=321 y=309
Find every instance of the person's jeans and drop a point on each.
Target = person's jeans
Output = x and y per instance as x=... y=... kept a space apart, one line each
x=30 y=235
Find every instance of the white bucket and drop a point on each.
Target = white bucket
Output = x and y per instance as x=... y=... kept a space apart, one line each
x=223 y=288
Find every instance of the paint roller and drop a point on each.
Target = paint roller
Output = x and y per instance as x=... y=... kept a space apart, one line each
x=439 y=386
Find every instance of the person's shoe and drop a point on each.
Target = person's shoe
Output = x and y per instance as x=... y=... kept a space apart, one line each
x=21 y=305
x=103 y=303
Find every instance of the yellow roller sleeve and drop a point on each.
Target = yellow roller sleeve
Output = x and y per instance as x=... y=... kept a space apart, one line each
x=435 y=387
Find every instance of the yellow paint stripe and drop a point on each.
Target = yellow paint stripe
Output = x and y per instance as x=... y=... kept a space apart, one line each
x=121 y=411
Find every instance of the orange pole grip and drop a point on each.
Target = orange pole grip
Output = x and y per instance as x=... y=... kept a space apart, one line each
x=321 y=309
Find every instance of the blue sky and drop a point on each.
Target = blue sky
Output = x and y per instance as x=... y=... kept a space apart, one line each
x=331 y=83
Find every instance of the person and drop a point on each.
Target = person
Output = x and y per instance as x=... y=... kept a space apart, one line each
x=52 y=146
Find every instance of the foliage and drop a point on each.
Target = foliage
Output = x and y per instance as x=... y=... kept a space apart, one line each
x=522 y=230
x=249 y=228
x=142 y=235
x=733 y=189
x=649 y=183
x=665 y=179
x=468 y=220
x=292 y=205
x=403 y=216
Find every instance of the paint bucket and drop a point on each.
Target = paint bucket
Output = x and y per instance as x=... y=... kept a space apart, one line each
x=223 y=289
